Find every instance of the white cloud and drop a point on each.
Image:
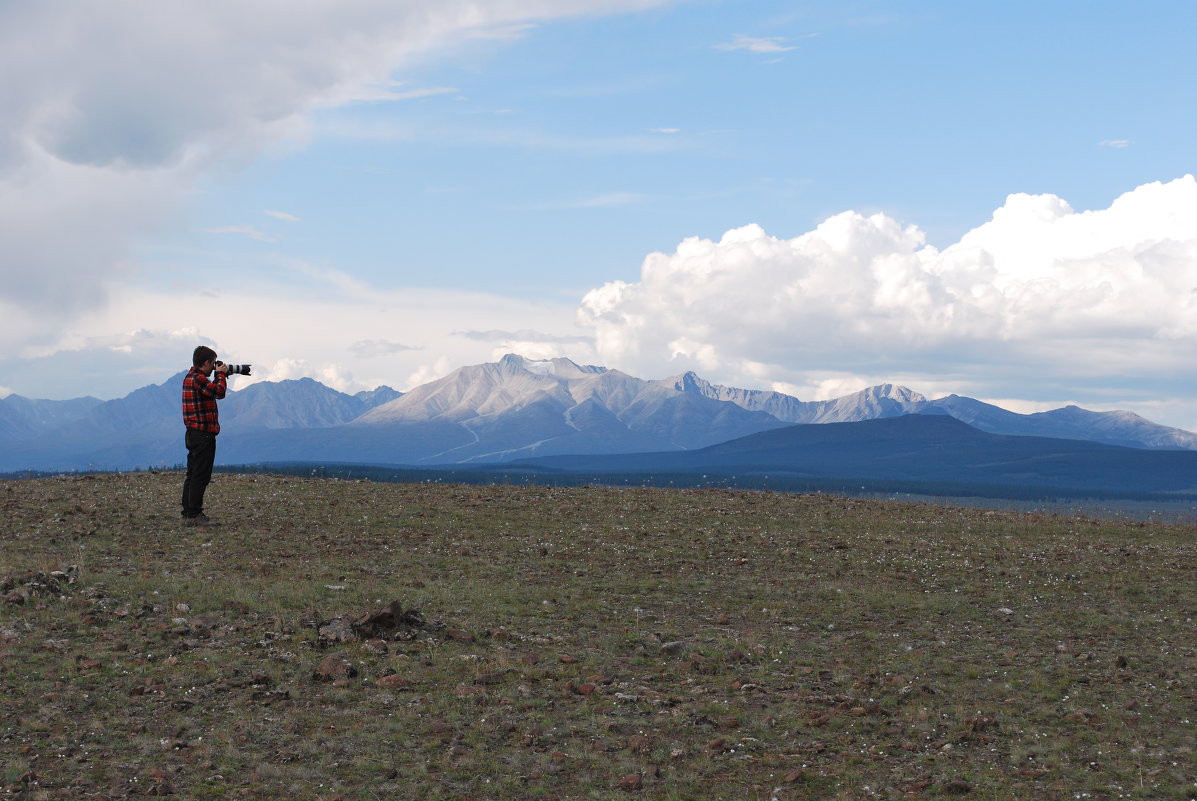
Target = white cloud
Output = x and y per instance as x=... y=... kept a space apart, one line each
x=115 y=109
x=282 y=215
x=243 y=230
x=1040 y=301
x=1116 y=143
x=769 y=44
x=349 y=336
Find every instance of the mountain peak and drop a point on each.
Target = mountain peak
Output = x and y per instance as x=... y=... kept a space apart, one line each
x=559 y=367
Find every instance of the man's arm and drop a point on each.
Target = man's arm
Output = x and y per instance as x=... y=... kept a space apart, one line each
x=213 y=388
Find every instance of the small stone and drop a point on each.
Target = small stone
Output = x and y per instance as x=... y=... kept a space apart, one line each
x=633 y=781
x=459 y=635
x=335 y=667
x=586 y=689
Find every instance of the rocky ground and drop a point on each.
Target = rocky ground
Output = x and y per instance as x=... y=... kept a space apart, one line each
x=337 y=639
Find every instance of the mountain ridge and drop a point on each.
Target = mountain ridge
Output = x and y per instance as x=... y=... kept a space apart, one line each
x=511 y=410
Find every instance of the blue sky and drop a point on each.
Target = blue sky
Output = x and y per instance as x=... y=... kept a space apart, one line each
x=988 y=199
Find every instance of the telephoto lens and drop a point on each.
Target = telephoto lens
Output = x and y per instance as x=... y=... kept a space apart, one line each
x=236 y=369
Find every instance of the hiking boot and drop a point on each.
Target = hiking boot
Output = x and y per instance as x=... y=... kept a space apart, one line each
x=199 y=520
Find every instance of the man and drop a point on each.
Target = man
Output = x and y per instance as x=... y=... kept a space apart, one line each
x=200 y=393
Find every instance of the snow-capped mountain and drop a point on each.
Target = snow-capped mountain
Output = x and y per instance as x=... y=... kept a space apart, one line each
x=518 y=407
x=513 y=409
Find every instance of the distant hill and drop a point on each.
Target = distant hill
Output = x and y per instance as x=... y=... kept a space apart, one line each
x=920 y=448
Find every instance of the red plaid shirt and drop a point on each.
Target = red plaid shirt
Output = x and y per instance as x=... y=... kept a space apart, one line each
x=199 y=400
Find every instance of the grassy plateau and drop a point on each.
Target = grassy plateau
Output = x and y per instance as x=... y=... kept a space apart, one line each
x=352 y=640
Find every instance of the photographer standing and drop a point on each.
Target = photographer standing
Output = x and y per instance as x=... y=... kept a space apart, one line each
x=200 y=394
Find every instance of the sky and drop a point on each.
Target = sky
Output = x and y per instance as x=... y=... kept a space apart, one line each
x=990 y=199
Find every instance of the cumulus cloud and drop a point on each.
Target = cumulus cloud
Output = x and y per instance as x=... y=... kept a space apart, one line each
x=1041 y=299
x=114 y=109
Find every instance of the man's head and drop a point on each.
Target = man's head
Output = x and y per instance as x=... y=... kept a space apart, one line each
x=202 y=355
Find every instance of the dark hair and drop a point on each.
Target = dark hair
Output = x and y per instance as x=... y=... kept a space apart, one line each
x=202 y=354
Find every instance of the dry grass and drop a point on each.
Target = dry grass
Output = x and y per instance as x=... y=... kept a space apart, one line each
x=586 y=643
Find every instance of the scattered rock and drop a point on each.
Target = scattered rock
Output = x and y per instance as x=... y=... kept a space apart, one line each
x=633 y=781
x=376 y=646
x=382 y=622
x=338 y=630
x=334 y=667
x=393 y=682
x=392 y=622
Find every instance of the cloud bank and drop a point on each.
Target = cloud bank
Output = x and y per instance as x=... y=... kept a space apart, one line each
x=113 y=110
x=1041 y=302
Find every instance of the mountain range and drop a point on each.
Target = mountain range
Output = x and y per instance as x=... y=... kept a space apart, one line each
x=932 y=450
x=513 y=410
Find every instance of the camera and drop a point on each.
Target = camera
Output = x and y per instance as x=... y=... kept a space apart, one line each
x=236 y=369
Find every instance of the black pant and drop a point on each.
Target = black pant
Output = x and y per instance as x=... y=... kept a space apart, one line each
x=201 y=453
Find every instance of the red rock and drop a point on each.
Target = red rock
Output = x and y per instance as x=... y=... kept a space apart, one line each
x=459 y=635
x=585 y=689
x=566 y=659
x=335 y=667
x=633 y=781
